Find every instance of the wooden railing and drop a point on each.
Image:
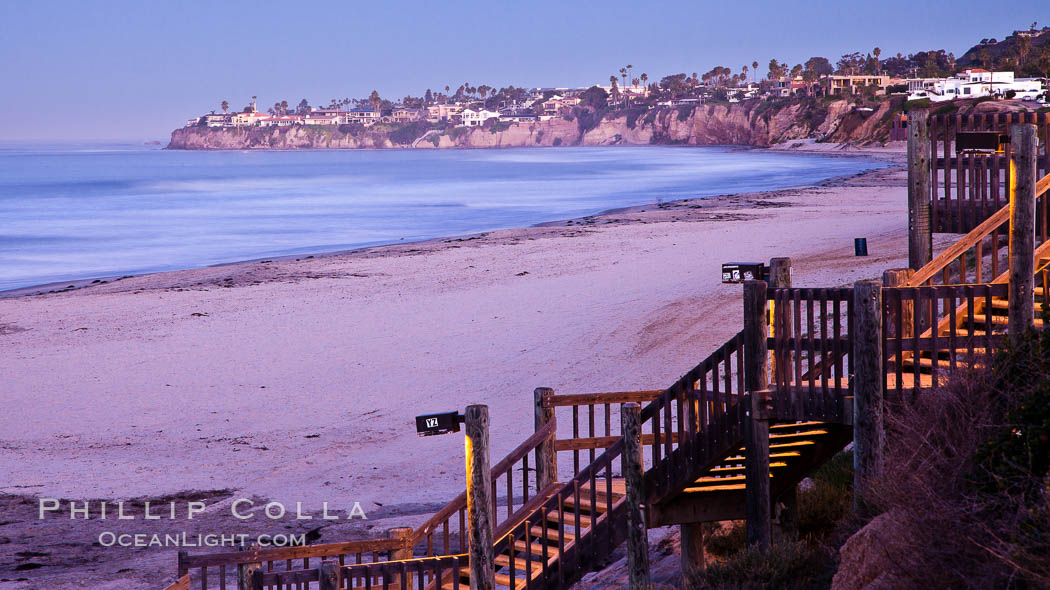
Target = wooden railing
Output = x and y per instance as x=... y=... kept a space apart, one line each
x=811 y=343
x=978 y=256
x=917 y=358
x=966 y=188
x=221 y=570
x=449 y=523
x=697 y=416
x=406 y=574
x=182 y=583
x=592 y=421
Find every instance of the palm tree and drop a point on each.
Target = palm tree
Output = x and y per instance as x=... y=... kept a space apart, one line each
x=225 y=106
x=645 y=78
x=253 y=102
x=754 y=69
x=1024 y=46
x=629 y=68
x=374 y=100
x=744 y=71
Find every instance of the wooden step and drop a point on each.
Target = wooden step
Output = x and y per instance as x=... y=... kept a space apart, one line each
x=568 y=518
x=519 y=562
x=801 y=434
x=536 y=548
x=727 y=478
x=721 y=469
x=927 y=363
x=720 y=488
x=786 y=455
x=552 y=532
x=619 y=488
x=783 y=426
x=584 y=503
x=1000 y=319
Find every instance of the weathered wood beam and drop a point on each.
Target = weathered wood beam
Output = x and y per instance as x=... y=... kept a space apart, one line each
x=479 y=500
x=920 y=234
x=546 y=454
x=634 y=474
x=1021 y=312
x=868 y=403
x=693 y=565
x=756 y=382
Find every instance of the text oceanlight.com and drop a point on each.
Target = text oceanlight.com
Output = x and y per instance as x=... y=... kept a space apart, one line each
x=111 y=539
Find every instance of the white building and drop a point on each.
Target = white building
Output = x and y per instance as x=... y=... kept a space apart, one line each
x=975 y=83
x=472 y=118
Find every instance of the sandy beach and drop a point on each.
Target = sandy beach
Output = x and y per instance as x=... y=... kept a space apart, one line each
x=298 y=379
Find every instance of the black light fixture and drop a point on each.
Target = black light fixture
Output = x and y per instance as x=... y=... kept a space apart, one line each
x=434 y=424
x=738 y=272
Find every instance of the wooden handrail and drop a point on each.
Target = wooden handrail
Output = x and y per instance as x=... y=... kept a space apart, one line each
x=952 y=253
x=460 y=501
x=614 y=397
x=283 y=553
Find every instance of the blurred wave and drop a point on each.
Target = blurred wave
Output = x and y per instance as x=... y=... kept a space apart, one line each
x=82 y=211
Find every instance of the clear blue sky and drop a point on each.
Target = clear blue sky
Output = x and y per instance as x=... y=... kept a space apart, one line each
x=108 y=69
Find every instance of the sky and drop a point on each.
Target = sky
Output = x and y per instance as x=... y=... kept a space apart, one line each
x=111 y=69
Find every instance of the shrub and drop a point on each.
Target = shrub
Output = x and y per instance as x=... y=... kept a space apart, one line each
x=409 y=132
x=787 y=565
x=587 y=119
x=946 y=109
x=556 y=142
x=726 y=540
x=914 y=105
x=966 y=471
x=633 y=114
x=828 y=500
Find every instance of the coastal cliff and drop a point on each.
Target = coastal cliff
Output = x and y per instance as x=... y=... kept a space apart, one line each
x=753 y=123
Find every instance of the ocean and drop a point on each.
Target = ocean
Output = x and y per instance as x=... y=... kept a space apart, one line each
x=81 y=211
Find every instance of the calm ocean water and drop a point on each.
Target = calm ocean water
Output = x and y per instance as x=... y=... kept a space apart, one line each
x=82 y=211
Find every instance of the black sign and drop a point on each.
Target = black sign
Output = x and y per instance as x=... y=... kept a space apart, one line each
x=431 y=424
x=738 y=272
x=988 y=141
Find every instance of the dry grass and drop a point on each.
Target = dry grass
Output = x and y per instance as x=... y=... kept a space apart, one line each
x=971 y=498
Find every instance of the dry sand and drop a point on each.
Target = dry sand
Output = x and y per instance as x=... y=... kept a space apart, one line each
x=298 y=379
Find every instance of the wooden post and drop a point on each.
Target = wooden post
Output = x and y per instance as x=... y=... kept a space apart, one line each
x=245 y=571
x=780 y=278
x=634 y=474
x=181 y=564
x=479 y=499
x=920 y=234
x=546 y=455
x=895 y=278
x=756 y=380
x=404 y=535
x=756 y=328
x=867 y=386
x=693 y=564
x=780 y=273
x=1021 y=312
x=328 y=576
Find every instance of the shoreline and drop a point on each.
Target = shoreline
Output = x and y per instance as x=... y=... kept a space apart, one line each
x=891 y=155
